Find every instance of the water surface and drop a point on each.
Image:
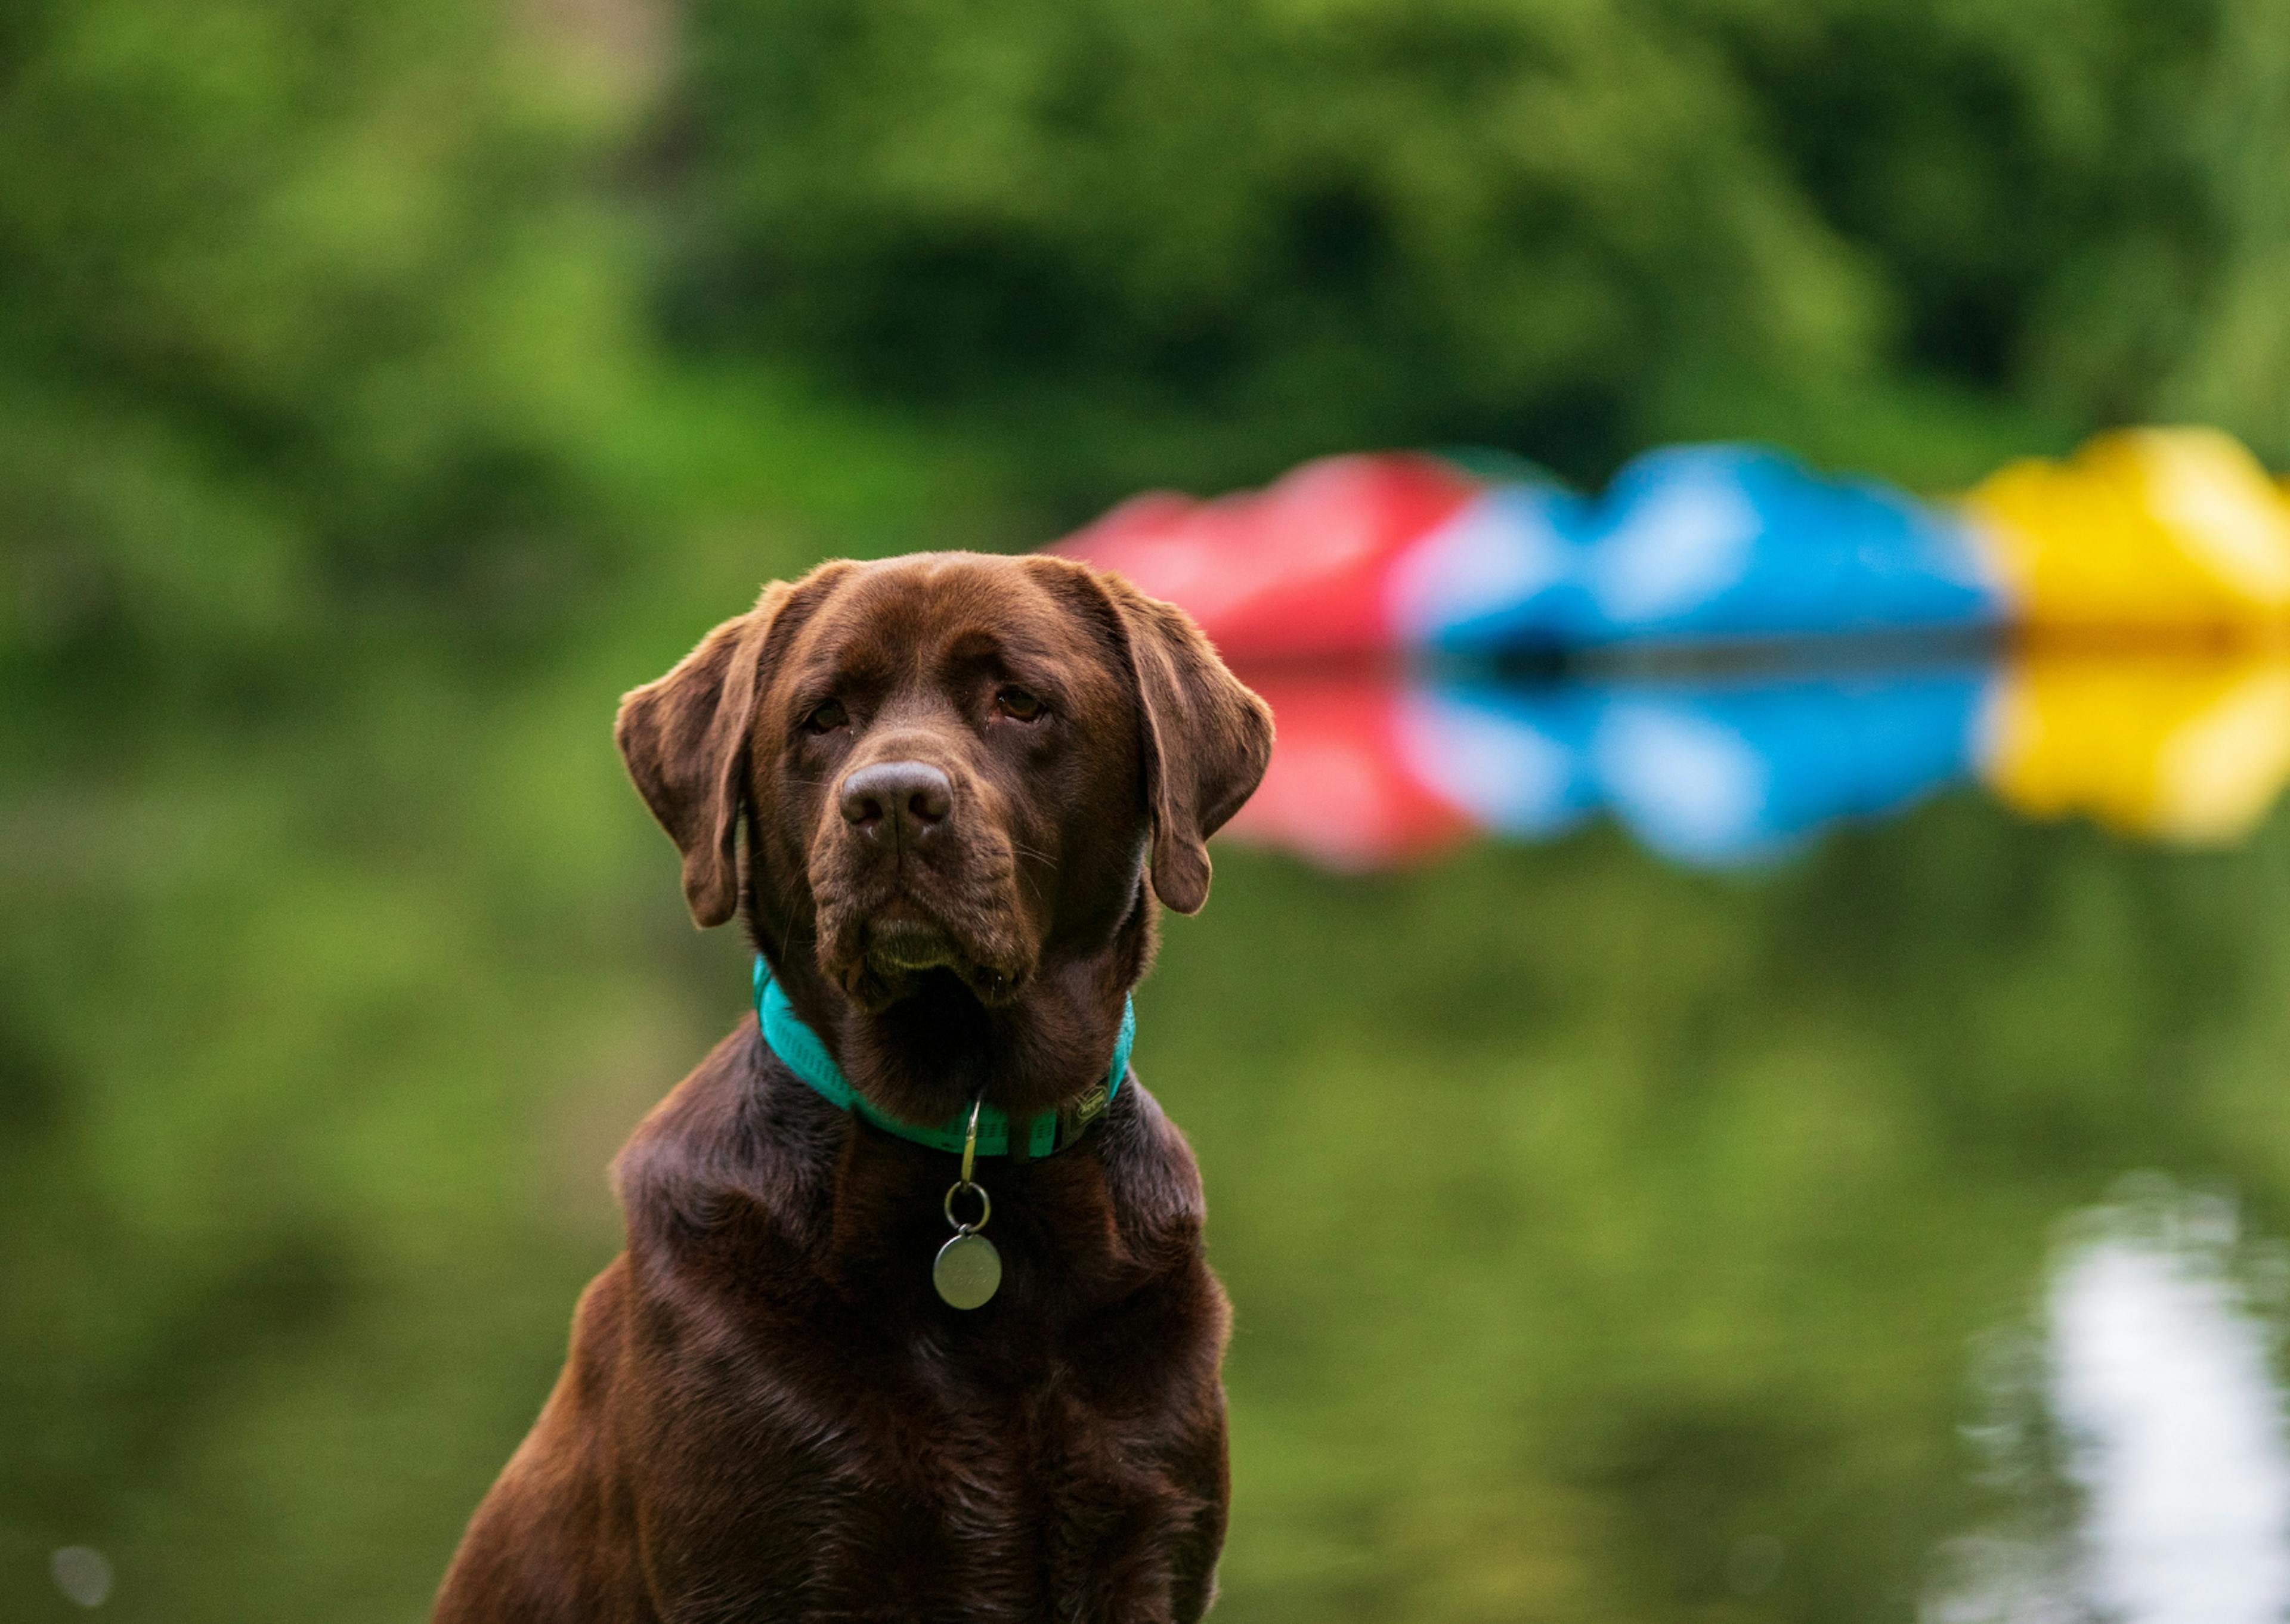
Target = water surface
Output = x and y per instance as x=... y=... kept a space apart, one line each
x=1640 y=1203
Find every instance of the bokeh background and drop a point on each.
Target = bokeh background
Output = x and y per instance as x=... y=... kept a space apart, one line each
x=384 y=386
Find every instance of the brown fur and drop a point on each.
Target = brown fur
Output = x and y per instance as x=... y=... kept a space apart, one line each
x=767 y=1413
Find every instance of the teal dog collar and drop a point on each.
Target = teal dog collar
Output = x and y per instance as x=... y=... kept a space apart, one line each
x=798 y=1046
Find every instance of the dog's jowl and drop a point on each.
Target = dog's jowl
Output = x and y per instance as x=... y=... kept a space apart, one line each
x=943 y=794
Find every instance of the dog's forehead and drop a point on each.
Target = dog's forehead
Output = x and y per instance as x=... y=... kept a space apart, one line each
x=925 y=605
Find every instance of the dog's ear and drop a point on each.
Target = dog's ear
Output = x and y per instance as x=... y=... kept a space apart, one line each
x=684 y=738
x=1206 y=737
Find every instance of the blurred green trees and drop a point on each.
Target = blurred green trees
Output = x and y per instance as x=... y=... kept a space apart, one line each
x=297 y=303
x=1199 y=240
x=408 y=300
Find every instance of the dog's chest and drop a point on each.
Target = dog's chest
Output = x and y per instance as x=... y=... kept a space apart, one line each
x=924 y=1482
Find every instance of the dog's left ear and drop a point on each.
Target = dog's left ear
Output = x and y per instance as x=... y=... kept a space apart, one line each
x=685 y=740
x=1206 y=738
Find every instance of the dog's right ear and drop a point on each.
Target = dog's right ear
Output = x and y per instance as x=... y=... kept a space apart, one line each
x=684 y=738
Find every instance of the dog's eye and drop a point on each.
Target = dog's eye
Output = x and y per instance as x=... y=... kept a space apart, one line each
x=1018 y=704
x=827 y=718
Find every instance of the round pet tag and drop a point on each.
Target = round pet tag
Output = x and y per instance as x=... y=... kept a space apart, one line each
x=968 y=1271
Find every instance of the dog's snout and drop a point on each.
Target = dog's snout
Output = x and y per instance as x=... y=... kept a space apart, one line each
x=902 y=800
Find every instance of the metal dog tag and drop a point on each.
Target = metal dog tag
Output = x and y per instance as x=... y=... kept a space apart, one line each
x=968 y=1271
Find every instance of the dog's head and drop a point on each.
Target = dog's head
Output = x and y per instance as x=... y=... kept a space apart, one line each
x=956 y=773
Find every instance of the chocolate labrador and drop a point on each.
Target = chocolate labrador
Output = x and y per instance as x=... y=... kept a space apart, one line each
x=962 y=781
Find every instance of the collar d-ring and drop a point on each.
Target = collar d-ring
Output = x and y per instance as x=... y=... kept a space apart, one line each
x=970 y=1139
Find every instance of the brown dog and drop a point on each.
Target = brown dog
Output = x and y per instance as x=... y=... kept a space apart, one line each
x=953 y=771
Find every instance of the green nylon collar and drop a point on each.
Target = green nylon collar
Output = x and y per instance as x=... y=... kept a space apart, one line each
x=799 y=1047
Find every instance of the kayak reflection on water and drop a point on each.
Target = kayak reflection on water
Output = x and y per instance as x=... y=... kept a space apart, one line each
x=1726 y=767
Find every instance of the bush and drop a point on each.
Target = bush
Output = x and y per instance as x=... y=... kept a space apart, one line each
x=293 y=300
x=1202 y=240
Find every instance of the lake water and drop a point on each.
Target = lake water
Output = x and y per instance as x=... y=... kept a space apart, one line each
x=1683 y=1145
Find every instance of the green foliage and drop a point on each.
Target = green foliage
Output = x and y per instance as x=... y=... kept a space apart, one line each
x=310 y=326
x=1207 y=239
x=1314 y=227
x=2058 y=195
x=316 y=287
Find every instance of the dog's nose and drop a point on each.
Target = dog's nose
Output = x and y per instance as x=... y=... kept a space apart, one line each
x=904 y=801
